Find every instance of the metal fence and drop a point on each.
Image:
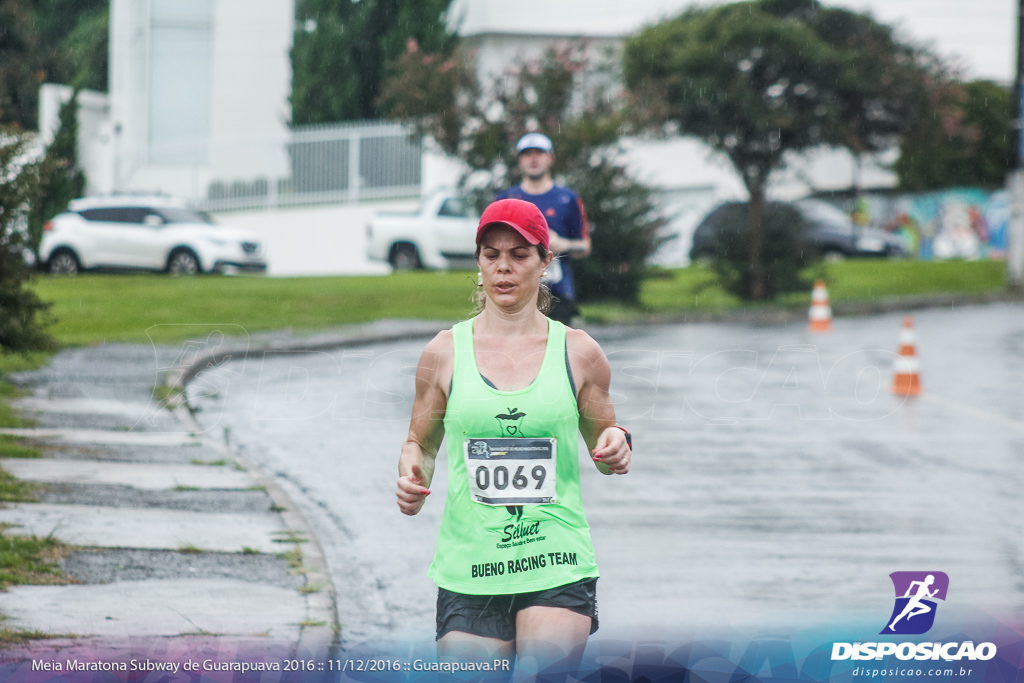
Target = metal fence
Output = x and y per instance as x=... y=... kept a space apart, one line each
x=330 y=163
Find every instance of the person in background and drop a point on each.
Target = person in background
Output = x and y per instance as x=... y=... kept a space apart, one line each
x=564 y=212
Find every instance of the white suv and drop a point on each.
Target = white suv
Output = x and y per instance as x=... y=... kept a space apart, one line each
x=149 y=232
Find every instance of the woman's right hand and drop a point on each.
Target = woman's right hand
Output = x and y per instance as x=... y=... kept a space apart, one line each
x=412 y=491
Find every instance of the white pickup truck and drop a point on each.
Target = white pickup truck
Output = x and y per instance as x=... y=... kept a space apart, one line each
x=441 y=234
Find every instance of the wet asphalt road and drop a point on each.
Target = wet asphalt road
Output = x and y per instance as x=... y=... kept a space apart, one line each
x=776 y=480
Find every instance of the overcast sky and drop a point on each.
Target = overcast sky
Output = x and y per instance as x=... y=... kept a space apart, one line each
x=980 y=35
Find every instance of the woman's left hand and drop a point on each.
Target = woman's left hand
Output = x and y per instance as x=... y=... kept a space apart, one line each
x=613 y=451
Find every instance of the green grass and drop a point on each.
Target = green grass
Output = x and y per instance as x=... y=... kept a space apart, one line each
x=13 y=447
x=94 y=308
x=8 y=418
x=165 y=395
x=29 y=560
x=10 y=362
x=293 y=557
x=289 y=536
x=871 y=279
x=212 y=463
x=14 y=490
x=694 y=289
x=16 y=636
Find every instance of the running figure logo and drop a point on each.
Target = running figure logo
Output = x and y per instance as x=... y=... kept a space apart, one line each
x=916 y=593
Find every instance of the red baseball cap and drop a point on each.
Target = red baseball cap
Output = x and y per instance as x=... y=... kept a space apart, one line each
x=522 y=216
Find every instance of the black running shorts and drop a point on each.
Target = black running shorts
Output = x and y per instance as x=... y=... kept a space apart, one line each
x=494 y=616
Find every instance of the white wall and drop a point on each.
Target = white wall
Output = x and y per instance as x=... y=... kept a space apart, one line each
x=438 y=170
x=683 y=208
x=129 y=85
x=497 y=52
x=246 y=109
x=830 y=169
x=322 y=240
x=689 y=179
x=252 y=77
x=602 y=18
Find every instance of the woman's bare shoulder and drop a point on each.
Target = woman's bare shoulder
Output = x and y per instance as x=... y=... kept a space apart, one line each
x=437 y=360
x=586 y=358
x=582 y=344
x=443 y=341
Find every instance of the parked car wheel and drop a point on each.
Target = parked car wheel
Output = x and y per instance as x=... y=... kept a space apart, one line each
x=183 y=262
x=63 y=262
x=404 y=257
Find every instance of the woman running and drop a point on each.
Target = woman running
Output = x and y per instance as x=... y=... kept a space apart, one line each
x=509 y=390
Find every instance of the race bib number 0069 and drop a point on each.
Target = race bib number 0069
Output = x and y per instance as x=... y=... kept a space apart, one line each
x=511 y=471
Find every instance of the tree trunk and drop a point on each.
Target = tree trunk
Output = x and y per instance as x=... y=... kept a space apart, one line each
x=858 y=165
x=755 y=211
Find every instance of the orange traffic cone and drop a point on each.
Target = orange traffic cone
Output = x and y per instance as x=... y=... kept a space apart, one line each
x=908 y=371
x=820 y=315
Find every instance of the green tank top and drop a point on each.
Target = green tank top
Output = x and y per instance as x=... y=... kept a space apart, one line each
x=498 y=549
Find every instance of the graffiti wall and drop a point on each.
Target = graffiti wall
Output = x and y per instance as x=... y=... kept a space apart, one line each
x=964 y=223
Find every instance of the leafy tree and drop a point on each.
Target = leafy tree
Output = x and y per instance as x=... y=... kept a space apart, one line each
x=442 y=97
x=786 y=249
x=963 y=142
x=59 y=178
x=751 y=84
x=762 y=78
x=20 y=75
x=56 y=41
x=341 y=48
x=22 y=312
x=86 y=49
x=882 y=84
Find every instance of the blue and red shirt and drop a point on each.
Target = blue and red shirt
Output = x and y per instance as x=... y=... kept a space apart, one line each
x=565 y=215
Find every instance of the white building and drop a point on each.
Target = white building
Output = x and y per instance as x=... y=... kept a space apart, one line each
x=192 y=84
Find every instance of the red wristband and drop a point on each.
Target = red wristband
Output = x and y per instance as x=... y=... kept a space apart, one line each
x=629 y=437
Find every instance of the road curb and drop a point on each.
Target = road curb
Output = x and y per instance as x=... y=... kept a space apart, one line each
x=320 y=606
x=178 y=378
